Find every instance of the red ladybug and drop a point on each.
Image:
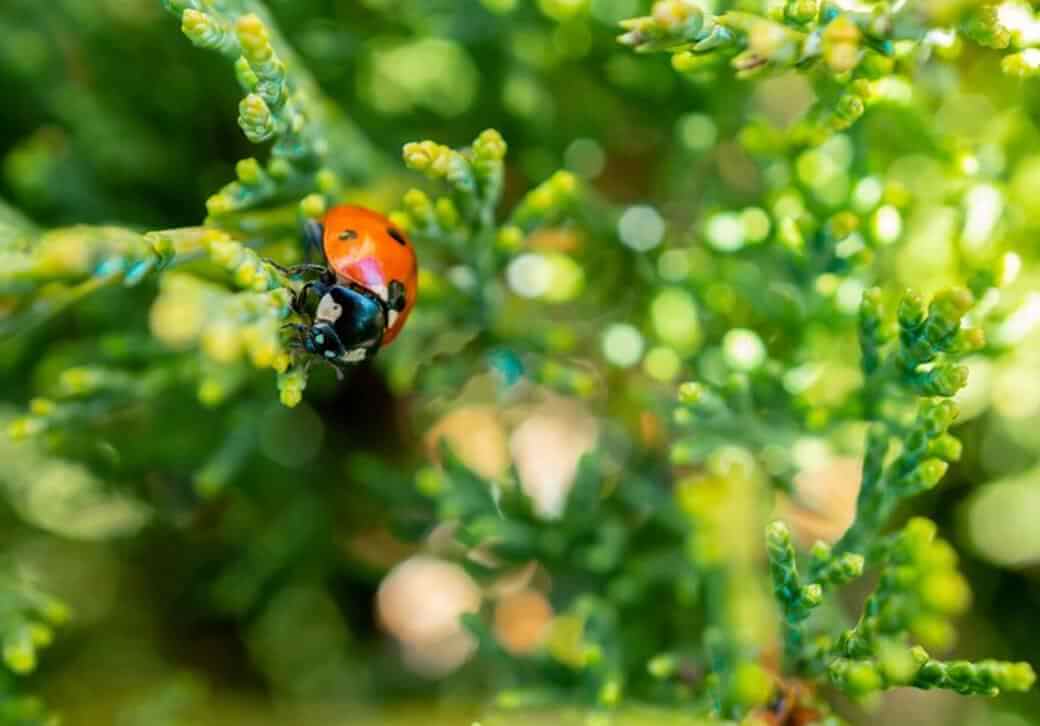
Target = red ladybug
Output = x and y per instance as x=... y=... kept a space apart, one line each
x=365 y=290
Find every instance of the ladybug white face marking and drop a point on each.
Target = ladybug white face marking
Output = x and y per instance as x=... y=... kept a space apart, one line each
x=391 y=318
x=328 y=310
x=355 y=356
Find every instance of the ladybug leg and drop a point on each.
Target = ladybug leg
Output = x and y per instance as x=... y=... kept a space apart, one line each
x=300 y=297
x=297 y=343
x=396 y=295
x=297 y=270
x=333 y=366
x=395 y=301
x=278 y=266
x=298 y=301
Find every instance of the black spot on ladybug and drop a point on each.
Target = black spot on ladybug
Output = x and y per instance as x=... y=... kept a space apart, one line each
x=396 y=295
x=348 y=234
x=396 y=234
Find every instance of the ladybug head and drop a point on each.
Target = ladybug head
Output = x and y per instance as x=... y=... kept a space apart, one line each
x=348 y=324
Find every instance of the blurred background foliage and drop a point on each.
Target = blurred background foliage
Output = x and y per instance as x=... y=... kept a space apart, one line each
x=179 y=547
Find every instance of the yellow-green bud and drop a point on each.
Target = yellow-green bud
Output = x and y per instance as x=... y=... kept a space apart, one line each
x=291 y=385
x=751 y=685
x=945 y=592
x=19 y=654
x=447 y=213
x=911 y=311
x=327 y=181
x=23 y=428
x=934 y=631
x=801 y=11
x=42 y=407
x=928 y=473
x=205 y=31
x=897 y=663
x=790 y=235
x=254 y=116
x=663 y=666
x=610 y=693
x=279 y=168
x=510 y=238
x=691 y=393
x=41 y=635
x=247 y=78
x=78 y=381
x=220 y=203
x=402 y=220
x=248 y=171
x=312 y=206
x=489 y=146
x=857 y=678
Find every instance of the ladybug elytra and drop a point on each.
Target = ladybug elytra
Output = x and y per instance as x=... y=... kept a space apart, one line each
x=363 y=293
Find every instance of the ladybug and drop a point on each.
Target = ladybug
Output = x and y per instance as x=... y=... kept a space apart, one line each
x=364 y=292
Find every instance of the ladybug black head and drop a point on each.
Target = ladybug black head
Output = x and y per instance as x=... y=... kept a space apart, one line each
x=321 y=339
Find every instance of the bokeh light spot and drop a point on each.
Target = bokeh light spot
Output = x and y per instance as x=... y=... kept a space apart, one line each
x=675 y=320
x=725 y=232
x=674 y=265
x=697 y=131
x=622 y=345
x=585 y=157
x=662 y=364
x=743 y=349
x=641 y=228
x=529 y=275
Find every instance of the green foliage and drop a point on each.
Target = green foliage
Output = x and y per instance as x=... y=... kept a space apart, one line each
x=636 y=344
x=314 y=146
x=850 y=48
x=28 y=619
